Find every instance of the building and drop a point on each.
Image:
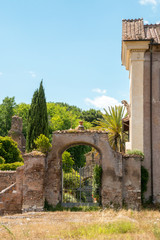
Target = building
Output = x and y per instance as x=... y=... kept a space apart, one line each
x=141 y=57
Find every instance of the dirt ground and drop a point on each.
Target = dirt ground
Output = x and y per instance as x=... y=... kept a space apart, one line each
x=82 y=225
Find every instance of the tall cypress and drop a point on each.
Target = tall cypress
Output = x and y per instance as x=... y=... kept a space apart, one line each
x=37 y=118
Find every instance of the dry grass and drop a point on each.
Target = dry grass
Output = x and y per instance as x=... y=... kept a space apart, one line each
x=106 y=224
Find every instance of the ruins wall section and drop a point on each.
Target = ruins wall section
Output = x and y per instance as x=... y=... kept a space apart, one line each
x=7 y=178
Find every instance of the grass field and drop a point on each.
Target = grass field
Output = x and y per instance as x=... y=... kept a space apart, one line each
x=102 y=224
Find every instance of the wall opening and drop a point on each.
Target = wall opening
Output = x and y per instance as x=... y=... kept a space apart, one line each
x=79 y=176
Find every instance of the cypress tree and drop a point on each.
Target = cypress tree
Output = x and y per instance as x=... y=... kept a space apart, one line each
x=37 y=118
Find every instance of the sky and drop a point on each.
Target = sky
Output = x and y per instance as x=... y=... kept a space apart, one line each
x=73 y=45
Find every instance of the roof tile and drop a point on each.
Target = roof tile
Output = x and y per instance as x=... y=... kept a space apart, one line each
x=134 y=29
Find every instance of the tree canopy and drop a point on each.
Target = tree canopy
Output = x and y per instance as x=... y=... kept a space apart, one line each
x=6 y=113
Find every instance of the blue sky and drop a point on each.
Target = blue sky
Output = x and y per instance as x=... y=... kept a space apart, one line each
x=73 y=45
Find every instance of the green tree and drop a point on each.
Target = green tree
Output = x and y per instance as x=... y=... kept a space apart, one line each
x=91 y=116
x=37 y=118
x=9 y=150
x=78 y=154
x=112 y=123
x=6 y=113
x=67 y=162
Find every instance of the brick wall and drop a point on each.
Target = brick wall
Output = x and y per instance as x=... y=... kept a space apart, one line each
x=7 y=178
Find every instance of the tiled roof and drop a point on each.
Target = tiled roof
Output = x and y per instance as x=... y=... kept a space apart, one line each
x=134 y=29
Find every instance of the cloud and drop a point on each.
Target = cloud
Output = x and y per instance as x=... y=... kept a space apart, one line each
x=102 y=102
x=158 y=22
x=145 y=2
x=146 y=22
x=98 y=90
x=33 y=74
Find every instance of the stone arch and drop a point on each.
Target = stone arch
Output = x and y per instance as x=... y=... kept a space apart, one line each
x=111 y=165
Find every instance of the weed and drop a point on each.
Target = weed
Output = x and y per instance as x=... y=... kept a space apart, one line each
x=95 y=230
x=135 y=152
x=156 y=231
x=9 y=231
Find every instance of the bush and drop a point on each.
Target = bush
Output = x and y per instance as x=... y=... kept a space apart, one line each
x=10 y=166
x=42 y=143
x=2 y=160
x=9 y=150
x=67 y=162
x=71 y=180
x=97 y=182
x=68 y=197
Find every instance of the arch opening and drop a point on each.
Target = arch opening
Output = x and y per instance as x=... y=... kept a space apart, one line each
x=80 y=183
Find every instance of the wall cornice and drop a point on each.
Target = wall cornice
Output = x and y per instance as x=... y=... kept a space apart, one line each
x=132 y=46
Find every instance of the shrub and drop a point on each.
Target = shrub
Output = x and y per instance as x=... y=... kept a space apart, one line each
x=10 y=166
x=9 y=150
x=71 y=180
x=67 y=162
x=135 y=152
x=42 y=143
x=97 y=182
x=2 y=160
x=68 y=197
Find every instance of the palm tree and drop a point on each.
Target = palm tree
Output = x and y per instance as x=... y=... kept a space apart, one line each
x=112 y=123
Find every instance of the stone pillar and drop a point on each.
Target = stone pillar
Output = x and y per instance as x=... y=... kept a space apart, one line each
x=136 y=98
x=33 y=182
x=16 y=133
x=131 y=186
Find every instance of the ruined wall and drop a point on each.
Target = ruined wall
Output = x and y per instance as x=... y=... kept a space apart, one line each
x=7 y=178
x=131 y=186
x=33 y=182
x=16 y=133
x=40 y=178
x=10 y=203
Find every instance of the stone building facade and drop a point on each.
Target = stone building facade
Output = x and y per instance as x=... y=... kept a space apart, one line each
x=141 y=57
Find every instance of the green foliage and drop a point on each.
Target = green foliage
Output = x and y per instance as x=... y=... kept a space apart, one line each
x=135 y=152
x=22 y=111
x=11 y=166
x=67 y=162
x=71 y=180
x=63 y=116
x=144 y=181
x=37 y=118
x=78 y=156
x=60 y=118
x=101 y=230
x=9 y=150
x=6 y=113
x=2 y=160
x=42 y=144
x=97 y=182
x=112 y=123
x=91 y=116
x=58 y=207
x=156 y=231
x=68 y=197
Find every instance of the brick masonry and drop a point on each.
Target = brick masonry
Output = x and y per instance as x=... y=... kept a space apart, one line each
x=7 y=178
